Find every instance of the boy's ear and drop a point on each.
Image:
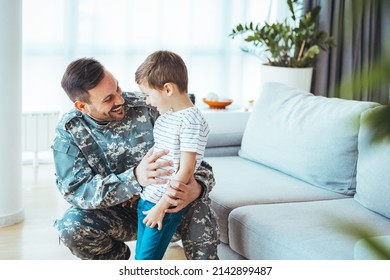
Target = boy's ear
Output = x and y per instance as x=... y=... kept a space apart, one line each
x=81 y=106
x=168 y=89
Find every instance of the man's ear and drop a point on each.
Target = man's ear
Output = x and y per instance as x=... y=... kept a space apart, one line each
x=168 y=89
x=81 y=106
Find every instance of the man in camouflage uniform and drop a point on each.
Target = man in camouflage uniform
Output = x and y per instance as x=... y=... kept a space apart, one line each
x=102 y=161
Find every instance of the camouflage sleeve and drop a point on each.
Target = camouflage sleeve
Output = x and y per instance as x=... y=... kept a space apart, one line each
x=81 y=186
x=205 y=177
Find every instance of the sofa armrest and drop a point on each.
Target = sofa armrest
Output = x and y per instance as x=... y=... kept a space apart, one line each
x=226 y=131
x=227 y=151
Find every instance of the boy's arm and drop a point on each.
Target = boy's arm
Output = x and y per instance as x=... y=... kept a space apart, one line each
x=186 y=167
x=186 y=170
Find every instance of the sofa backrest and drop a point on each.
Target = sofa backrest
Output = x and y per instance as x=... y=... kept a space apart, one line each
x=312 y=138
x=373 y=167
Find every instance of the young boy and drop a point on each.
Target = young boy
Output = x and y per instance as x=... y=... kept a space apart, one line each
x=182 y=130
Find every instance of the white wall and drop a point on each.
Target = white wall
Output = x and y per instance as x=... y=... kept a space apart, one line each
x=11 y=206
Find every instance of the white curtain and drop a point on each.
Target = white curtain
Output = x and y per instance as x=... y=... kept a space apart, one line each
x=122 y=33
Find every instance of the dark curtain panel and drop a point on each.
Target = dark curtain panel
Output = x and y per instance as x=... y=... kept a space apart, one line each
x=356 y=26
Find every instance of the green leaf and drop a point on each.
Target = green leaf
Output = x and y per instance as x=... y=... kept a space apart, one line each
x=281 y=41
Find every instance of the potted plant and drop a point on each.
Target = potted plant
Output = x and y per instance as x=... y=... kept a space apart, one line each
x=293 y=43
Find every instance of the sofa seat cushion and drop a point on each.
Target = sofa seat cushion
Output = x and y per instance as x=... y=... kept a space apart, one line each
x=373 y=168
x=310 y=137
x=241 y=182
x=311 y=230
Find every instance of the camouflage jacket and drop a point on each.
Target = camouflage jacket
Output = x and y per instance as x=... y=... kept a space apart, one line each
x=94 y=162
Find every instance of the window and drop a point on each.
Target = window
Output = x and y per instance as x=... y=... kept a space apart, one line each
x=122 y=33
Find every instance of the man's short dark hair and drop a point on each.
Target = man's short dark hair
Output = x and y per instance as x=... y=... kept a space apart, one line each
x=80 y=76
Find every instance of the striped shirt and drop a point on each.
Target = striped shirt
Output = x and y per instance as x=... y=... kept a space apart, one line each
x=185 y=130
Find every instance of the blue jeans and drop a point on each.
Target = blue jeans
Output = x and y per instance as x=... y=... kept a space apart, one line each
x=151 y=242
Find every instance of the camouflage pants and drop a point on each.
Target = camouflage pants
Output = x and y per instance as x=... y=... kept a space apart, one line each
x=100 y=234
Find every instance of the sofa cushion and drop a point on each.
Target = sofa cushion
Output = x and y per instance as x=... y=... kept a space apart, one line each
x=310 y=230
x=373 y=176
x=241 y=182
x=310 y=137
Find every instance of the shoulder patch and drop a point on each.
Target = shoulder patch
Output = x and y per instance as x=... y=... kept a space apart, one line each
x=65 y=148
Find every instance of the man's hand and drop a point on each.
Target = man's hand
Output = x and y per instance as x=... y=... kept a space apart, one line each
x=133 y=201
x=180 y=195
x=148 y=170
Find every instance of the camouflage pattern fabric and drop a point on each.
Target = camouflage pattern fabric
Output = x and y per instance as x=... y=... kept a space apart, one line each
x=94 y=172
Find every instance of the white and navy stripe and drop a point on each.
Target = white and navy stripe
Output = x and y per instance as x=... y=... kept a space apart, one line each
x=185 y=130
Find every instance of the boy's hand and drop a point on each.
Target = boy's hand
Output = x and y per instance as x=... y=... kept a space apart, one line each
x=154 y=217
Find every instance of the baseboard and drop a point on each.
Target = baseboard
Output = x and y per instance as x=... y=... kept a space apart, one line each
x=12 y=219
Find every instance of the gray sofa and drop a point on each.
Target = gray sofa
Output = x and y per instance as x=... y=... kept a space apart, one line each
x=306 y=183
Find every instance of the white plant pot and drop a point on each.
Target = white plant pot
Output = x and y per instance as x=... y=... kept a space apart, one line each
x=295 y=77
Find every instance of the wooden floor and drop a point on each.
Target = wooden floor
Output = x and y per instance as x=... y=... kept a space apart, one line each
x=35 y=238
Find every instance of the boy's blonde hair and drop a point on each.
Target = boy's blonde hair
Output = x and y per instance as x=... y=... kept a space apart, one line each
x=163 y=67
